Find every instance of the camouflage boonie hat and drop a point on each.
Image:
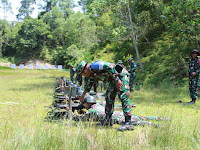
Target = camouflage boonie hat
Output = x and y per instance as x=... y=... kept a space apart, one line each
x=81 y=67
x=89 y=99
x=130 y=59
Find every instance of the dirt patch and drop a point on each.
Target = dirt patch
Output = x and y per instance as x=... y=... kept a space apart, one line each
x=36 y=62
x=5 y=64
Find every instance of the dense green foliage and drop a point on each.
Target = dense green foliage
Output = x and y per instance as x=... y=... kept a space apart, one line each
x=160 y=33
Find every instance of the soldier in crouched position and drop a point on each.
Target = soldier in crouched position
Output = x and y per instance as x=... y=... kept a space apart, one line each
x=118 y=79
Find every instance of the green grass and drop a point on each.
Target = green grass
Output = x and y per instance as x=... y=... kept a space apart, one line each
x=22 y=125
x=2 y=67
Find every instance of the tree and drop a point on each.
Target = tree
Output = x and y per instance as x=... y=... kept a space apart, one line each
x=80 y=30
x=30 y=40
x=64 y=5
x=6 y=6
x=182 y=18
x=26 y=9
x=122 y=22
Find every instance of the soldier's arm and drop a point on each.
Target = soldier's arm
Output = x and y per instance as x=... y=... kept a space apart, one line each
x=89 y=85
x=111 y=68
x=198 y=69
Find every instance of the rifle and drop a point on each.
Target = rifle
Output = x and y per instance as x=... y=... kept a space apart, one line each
x=60 y=112
x=66 y=107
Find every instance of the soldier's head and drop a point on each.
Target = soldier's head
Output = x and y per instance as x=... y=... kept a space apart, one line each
x=130 y=60
x=89 y=101
x=119 y=62
x=194 y=53
x=84 y=69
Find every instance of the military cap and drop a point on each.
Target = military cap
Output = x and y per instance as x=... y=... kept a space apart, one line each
x=130 y=59
x=81 y=67
x=194 y=51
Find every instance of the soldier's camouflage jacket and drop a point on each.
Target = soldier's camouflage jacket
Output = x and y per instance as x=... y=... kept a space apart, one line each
x=97 y=113
x=101 y=70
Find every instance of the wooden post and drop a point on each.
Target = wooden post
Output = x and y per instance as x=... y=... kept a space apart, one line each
x=70 y=106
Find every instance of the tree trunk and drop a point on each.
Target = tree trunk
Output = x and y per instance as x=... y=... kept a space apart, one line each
x=133 y=36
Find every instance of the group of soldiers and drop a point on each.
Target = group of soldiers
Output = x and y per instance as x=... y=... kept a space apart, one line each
x=120 y=82
x=89 y=108
x=78 y=78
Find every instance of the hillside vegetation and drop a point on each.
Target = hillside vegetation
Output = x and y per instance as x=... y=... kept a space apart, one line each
x=160 y=33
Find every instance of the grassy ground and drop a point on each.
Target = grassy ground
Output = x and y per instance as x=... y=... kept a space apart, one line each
x=22 y=123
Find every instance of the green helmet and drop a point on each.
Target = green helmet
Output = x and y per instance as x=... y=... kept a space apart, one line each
x=81 y=67
x=80 y=93
x=90 y=99
x=130 y=59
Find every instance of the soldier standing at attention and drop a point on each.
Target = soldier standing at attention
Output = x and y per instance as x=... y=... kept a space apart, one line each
x=132 y=73
x=193 y=74
x=72 y=72
x=118 y=81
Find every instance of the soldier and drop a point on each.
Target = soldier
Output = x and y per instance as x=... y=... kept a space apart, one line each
x=96 y=112
x=119 y=62
x=96 y=84
x=78 y=78
x=118 y=81
x=193 y=74
x=86 y=81
x=132 y=73
x=72 y=72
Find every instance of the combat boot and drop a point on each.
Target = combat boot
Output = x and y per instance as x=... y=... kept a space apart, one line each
x=127 y=125
x=106 y=122
x=191 y=102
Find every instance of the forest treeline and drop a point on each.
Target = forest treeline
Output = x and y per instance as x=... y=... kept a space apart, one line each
x=158 y=34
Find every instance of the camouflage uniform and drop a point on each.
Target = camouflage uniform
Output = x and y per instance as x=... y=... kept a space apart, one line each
x=194 y=80
x=86 y=81
x=101 y=69
x=97 y=113
x=96 y=84
x=79 y=79
x=72 y=72
x=132 y=75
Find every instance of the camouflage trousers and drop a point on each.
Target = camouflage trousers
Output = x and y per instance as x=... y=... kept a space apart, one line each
x=137 y=120
x=194 y=87
x=95 y=85
x=79 y=79
x=131 y=83
x=124 y=95
x=72 y=78
x=86 y=81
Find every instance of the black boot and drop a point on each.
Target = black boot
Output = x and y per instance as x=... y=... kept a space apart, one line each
x=106 y=122
x=127 y=125
x=191 y=102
